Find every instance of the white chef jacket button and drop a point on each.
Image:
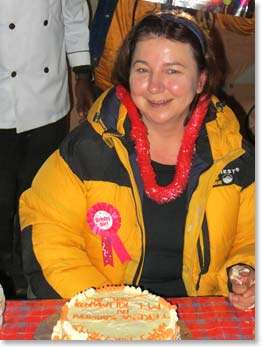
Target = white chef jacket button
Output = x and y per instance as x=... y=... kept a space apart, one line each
x=46 y=70
x=13 y=74
x=11 y=26
x=45 y=22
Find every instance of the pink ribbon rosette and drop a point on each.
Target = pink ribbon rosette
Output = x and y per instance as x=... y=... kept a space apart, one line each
x=104 y=220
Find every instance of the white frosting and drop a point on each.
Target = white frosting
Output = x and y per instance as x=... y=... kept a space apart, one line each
x=65 y=326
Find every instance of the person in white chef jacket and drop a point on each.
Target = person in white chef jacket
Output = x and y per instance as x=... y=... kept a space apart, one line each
x=37 y=41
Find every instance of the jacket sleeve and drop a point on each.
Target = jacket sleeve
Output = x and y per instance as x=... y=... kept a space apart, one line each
x=53 y=221
x=76 y=22
x=243 y=249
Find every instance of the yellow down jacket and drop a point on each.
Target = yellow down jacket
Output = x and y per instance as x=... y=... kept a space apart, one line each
x=96 y=164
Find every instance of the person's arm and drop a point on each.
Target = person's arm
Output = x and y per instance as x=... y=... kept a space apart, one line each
x=242 y=274
x=242 y=253
x=53 y=222
x=76 y=22
x=84 y=89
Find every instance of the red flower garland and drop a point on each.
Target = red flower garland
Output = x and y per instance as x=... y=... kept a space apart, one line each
x=139 y=133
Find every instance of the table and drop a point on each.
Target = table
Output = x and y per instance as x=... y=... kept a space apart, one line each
x=207 y=318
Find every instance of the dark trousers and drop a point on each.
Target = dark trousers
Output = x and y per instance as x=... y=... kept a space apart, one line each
x=21 y=156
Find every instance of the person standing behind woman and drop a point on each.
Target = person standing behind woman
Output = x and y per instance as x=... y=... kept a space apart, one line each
x=37 y=37
x=164 y=197
x=112 y=21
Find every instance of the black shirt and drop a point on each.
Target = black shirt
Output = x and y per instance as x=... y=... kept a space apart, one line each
x=164 y=225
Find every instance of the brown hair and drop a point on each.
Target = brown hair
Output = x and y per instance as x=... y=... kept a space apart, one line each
x=177 y=26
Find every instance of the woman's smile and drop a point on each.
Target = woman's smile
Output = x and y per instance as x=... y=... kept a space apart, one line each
x=159 y=103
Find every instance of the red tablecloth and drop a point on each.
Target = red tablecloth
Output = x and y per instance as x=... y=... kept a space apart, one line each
x=209 y=318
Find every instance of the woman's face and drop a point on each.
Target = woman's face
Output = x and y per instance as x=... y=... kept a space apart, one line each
x=164 y=79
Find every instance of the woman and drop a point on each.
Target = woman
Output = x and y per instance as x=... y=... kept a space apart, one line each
x=156 y=189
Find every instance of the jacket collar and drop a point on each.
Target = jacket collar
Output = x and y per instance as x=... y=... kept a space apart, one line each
x=219 y=133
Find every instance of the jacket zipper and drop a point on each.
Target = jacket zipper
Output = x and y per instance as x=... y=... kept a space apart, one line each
x=97 y=119
x=204 y=257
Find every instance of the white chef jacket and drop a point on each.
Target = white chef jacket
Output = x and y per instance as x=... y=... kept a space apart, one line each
x=36 y=37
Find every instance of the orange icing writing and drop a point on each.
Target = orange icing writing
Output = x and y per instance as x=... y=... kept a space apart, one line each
x=122 y=311
x=149 y=316
x=92 y=317
x=125 y=315
x=149 y=306
x=94 y=303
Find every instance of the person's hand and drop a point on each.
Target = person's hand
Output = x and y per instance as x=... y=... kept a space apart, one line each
x=242 y=278
x=84 y=97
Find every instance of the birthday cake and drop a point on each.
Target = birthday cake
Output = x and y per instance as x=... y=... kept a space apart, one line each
x=117 y=313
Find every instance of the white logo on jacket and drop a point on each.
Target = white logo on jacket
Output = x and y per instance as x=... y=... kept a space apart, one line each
x=226 y=176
